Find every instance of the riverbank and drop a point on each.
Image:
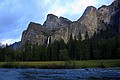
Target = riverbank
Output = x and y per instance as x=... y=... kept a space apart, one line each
x=62 y=64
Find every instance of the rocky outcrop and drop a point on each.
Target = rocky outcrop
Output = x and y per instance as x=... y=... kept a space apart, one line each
x=90 y=20
x=35 y=34
x=56 y=28
x=53 y=22
x=104 y=14
x=110 y=14
x=115 y=14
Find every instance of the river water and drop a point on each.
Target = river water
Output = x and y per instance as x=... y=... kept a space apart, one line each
x=60 y=74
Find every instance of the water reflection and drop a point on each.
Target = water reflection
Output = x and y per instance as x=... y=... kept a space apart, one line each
x=60 y=74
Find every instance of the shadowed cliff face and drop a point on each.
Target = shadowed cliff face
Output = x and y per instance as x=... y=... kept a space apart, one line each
x=104 y=14
x=115 y=14
x=58 y=28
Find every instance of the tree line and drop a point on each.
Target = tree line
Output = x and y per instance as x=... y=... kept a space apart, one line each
x=75 y=49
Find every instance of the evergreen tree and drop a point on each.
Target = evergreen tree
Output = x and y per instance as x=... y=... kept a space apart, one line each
x=86 y=36
x=64 y=55
x=55 y=47
x=2 y=53
x=71 y=48
x=50 y=55
x=91 y=49
x=9 y=54
x=62 y=44
x=79 y=37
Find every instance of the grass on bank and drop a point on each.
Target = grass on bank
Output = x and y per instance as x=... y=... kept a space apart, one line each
x=62 y=64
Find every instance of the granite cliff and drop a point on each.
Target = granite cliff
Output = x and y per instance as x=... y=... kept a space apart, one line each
x=56 y=28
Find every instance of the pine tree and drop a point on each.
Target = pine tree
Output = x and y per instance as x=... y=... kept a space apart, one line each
x=79 y=37
x=86 y=36
x=91 y=49
x=71 y=48
x=79 y=46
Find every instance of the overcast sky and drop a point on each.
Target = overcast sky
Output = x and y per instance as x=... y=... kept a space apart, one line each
x=15 y=15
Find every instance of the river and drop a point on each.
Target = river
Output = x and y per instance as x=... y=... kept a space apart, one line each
x=60 y=74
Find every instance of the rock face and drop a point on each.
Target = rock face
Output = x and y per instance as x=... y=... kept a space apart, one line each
x=56 y=28
x=104 y=14
x=115 y=14
x=111 y=14
x=35 y=34
x=90 y=20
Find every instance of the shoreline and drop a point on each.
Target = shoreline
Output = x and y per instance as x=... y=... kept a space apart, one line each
x=63 y=64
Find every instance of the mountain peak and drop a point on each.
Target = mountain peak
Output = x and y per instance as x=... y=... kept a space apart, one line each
x=90 y=10
x=115 y=5
x=103 y=6
x=33 y=25
x=53 y=22
x=117 y=1
x=52 y=17
x=64 y=19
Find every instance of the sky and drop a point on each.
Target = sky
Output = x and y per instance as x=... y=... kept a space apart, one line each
x=15 y=15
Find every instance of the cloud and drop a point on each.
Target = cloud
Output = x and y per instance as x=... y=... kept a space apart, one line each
x=9 y=41
x=73 y=9
x=80 y=5
x=15 y=15
x=57 y=9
